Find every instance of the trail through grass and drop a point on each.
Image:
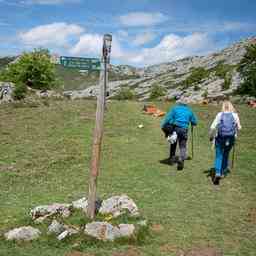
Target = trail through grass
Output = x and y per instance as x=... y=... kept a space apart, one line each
x=45 y=156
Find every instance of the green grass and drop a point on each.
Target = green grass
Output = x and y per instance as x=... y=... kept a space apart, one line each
x=45 y=157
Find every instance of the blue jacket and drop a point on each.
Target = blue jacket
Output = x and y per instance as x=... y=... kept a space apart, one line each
x=180 y=115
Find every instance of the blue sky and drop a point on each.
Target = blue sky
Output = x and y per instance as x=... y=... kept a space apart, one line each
x=144 y=32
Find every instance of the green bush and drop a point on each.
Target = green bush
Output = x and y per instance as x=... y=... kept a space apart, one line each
x=247 y=69
x=33 y=69
x=124 y=94
x=196 y=88
x=196 y=76
x=19 y=91
x=227 y=82
x=157 y=91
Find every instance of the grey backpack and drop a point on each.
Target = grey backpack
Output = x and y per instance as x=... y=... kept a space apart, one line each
x=227 y=126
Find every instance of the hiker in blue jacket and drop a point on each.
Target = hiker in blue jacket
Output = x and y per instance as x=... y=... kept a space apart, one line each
x=176 y=122
x=223 y=132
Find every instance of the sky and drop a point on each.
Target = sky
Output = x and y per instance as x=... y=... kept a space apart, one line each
x=145 y=32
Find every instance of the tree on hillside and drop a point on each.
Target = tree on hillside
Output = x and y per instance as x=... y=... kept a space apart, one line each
x=33 y=69
x=247 y=69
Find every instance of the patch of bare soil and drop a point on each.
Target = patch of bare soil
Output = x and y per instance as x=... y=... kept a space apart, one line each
x=157 y=227
x=207 y=251
x=168 y=248
x=130 y=252
x=7 y=168
x=252 y=215
x=76 y=253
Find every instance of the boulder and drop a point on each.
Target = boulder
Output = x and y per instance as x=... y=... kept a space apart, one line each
x=81 y=203
x=118 y=205
x=44 y=211
x=107 y=232
x=23 y=234
x=6 y=90
x=56 y=228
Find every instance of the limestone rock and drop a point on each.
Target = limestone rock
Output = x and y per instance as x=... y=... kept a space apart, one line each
x=55 y=228
x=80 y=204
x=6 y=90
x=117 y=205
x=68 y=232
x=23 y=234
x=107 y=232
x=45 y=211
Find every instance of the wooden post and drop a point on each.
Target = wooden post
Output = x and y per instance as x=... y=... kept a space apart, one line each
x=97 y=137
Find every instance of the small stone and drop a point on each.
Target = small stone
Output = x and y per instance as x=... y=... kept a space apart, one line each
x=55 y=228
x=63 y=235
x=143 y=223
x=23 y=233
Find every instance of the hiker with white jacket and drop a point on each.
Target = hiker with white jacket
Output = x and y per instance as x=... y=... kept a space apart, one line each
x=224 y=130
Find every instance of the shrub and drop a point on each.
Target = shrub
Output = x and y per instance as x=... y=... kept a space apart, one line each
x=33 y=69
x=19 y=91
x=196 y=76
x=196 y=88
x=227 y=82
x=157 y=91
x=125 y=94
x=247 y=69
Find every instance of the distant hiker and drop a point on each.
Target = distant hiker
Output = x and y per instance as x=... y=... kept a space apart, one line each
x=223 y=133
x=175 y=126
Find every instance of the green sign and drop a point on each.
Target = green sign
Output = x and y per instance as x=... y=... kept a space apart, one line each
x=80 y=63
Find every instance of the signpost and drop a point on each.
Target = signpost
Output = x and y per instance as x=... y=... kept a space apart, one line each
x=98 y=131
x=89 y=64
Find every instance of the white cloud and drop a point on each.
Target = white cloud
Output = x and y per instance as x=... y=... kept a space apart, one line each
x=49 y=2
x=135 y=19
x=91 y=45
x=173 y=47
x=144 y=38
x=55 y=34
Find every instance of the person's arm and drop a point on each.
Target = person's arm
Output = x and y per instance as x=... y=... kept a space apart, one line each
x=239 y=127
x=193 y=119
x=213 y=126
x=169 y=118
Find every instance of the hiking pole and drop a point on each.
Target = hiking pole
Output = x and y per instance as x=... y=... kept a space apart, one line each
x=233 y=157
x=192 y=141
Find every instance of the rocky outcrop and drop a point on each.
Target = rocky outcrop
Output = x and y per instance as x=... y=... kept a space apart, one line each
x=172 y=76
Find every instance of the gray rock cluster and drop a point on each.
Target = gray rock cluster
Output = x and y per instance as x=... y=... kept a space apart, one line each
x=112 y=207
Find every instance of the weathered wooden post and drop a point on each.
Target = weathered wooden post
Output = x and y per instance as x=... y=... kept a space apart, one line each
x=98 y=131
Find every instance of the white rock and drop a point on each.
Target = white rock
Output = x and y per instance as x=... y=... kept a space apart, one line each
x=68 y=232
x=23 y=233
x=118 y=205
x=80 y=204
x=126 y=230
x=55 y=228
x=49 y=210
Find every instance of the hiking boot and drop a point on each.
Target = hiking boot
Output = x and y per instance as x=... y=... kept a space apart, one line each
x=180 y=165
x=216 y=180
x=172 y=160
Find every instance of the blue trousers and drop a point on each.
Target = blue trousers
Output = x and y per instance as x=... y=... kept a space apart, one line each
x=222 y=148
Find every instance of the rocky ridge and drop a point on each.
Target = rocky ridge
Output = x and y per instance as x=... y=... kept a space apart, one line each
x=196 y=78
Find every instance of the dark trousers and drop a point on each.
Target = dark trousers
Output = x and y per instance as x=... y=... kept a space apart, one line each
x=182 y=134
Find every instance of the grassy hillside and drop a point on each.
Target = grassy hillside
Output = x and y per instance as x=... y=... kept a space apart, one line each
x=45 y=155
x=5 y=60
